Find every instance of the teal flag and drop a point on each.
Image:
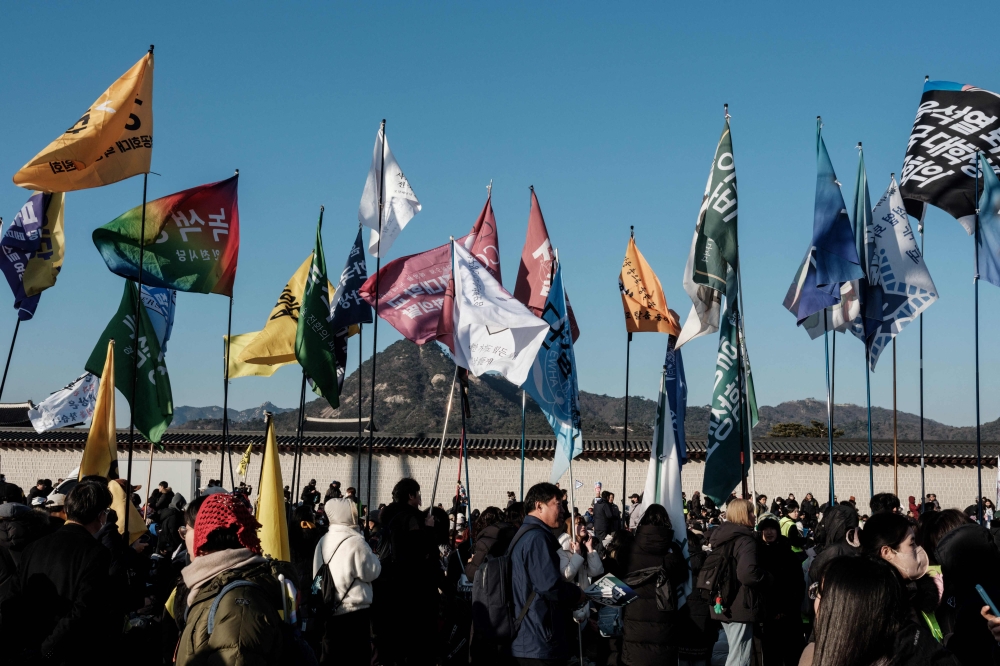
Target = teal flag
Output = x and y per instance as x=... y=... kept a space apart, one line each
x=153 y=404
x=719 y=208
x=316 y=340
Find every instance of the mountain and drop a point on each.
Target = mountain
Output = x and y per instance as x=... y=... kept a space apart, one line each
x=412 y=395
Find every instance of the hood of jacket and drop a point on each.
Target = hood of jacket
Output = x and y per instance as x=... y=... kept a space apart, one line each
x=654 y=539
x=729 y=532
x=178 y=502
x=968 y=556
x=837 y=522
x=340 y=511
x=25 y=527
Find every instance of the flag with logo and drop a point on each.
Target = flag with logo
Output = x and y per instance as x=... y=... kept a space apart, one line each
x=33 y=249
x=399 y=203
x=552 y=381
x=138 y=350
x=989 y=225
x=907 y=287
x=319 y=349
x=275 y=345
x=100 y=453
x=70 y=406
x=869 y=293
x=642 y=296
x=677 y=394
x=953 y=123
x=273 y=532
x=160 y=306
x=493 y=331
x=111 y=141
x=192 y=240
x=347 y=307
x=534 y=274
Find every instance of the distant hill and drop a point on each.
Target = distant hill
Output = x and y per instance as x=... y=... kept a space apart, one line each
x=412 y=394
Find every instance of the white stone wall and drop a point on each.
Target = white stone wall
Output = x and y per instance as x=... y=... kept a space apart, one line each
x=493 y=476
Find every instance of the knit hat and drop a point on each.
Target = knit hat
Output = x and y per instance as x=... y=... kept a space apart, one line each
x=768 y=520
x=222 y=511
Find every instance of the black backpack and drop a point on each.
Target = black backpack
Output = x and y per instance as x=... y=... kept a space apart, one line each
x=717 y=580
x=666 y=596
x=493 y=595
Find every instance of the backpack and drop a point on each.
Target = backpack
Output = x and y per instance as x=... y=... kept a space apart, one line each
x=717 y=580
x=666 y=596
x=323 y=587
x=493 y=595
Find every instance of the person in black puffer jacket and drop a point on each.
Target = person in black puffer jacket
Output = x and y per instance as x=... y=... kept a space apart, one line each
x=836 y=536
x=781 y=626
x=698 y=631
x=650 y=635
x=21 y=526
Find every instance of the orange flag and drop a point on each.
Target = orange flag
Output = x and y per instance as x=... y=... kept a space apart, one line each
x=642 y=296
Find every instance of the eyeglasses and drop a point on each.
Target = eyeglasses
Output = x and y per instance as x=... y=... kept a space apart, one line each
x=182 y=530
x=814 y=592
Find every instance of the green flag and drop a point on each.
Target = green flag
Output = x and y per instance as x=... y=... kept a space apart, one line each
x=315 y=339
x=153 y=405
x=719 y=208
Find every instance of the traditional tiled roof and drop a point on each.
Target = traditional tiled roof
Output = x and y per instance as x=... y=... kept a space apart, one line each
x=948 y=452
x=15 y=414
x=346 y=426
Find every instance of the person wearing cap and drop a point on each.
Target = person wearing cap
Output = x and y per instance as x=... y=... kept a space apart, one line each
x=56 y=507
x=332 y=492
x=780 y=624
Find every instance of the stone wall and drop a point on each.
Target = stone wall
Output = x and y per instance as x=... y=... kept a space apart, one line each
x=493 y=476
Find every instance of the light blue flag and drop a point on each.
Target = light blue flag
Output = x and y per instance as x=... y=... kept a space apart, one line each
x=989 y=224
x=677 y=394
x=160 y=304
x=552 y=380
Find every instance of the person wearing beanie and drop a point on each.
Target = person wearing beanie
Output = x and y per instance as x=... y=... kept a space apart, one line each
x=780 y=624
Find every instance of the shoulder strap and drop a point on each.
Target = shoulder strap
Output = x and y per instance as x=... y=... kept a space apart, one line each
x=218 y=599
x=520 y=533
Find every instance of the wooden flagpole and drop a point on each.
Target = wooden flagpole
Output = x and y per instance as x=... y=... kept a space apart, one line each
x=378 y=267
x=444 y=433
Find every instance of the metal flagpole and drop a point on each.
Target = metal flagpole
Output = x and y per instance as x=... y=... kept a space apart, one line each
x=524 y=402
x=829 y=415
x=149 y=475
x=628 y=353
x=468 y=480
x=746 y=377
x=263 y=454
x=833 y=378
x=378 y=267
x=225 y=407
x=741 y=387
x=444 y=433
x=895 y=443
x=11 y=352
x=297 y=451
x=868 y=390
x=361 y=341
x=979 y=421
x=923 y=490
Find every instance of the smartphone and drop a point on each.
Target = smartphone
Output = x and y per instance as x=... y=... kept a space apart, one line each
x=987 y=600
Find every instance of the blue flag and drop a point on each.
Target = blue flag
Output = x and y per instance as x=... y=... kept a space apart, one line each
x=347 y=307
x=869 y=319
x=989 y=224
x=552 y=379
x=677 y=394
x=20 y=243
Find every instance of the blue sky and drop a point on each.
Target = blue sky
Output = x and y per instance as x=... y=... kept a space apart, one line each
x=612 y=112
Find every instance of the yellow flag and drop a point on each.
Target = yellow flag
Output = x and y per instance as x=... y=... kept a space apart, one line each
x=120 y=504
x=237 y=368
x=271 y=503
x=100 y=453
x=44 y=266
x=245 y=461
x=112 y=140
x=276 y=343
x=642 y=296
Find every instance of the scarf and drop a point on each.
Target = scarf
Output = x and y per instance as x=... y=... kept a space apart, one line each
x=206 y=567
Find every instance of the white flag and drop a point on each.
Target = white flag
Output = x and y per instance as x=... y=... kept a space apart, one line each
x=493 y=331
x=907 y=287
x=73 y=405
x=705 y=302
x=399 y=204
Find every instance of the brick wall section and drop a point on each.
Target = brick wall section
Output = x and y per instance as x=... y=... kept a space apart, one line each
x=493 y=476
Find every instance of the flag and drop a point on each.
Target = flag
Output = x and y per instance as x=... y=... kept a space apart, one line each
x=535 y=271
x=399 y=203
x=989 y=226
x=33 y=249
x=347 y=307
x=275 y=345
x=273 y=532
x=869 y=293
x=120 y=504
x=318 y=349
x=953 y=123
x=72 y=405
x=160 y=305
x=907 y=287
x=153 y=404
x=493 y=331
x=552 y=381
x=677 y=394
x=838 y=317
x=112 y=140
x=663 y=478
x=715 y=243
x=238 y=368
x=642 y=296
x=100 y=453
x=192 y=240
x=245 y=461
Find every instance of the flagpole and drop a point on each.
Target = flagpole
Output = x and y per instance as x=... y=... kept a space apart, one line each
x=263 y=454
x=923 y=491
x=829 y=414
x=361 y=341
x=149 y=475
x=444 y=433
x=833 y=377
x=524 y=402
x=868 y=390
x=895 y=443
x=378 y=268
x=468 y=480
x=742 y=416
x=9 y=353
x=628 y=354
x=225 y=406
x=297 y=451
x=745 y=377
x=979 y=421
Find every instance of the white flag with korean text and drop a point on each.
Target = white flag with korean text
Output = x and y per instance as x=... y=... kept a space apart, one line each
x=399 y=204
x=73 y=405
x=493 y=331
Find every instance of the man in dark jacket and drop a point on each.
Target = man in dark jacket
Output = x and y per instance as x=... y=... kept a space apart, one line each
x=780 y=623
x=21 y=526
x=537 y=583
x=63 y=586
x=606 y=517
x=809 y=508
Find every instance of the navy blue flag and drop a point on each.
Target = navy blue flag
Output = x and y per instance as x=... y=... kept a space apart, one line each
x=869 y=318
x=347 y=308
x=677 y=394
x=26 y=237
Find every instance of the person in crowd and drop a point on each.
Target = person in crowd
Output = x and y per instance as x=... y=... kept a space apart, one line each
x=933 y=501
x=738 y=619
x=809 y=509
x=225 y=550
x=164 y=496
x=352 y=494
x=21 y=526
x=579 y=561
x=761 y=506
x=332 y=492
x=63 y=590
x=511 y=497
x=171 y=521
x=491 y=535
x=650 y=635
x=42 y=488
x=788 y=518
x=310 y=495
x=790 y=502
x=351 y=566
x=836 y=536
x=988 y=509
x=934 y=525
x=175 y=606
x=514 y=515
x=697 y=631
x=542 y=597
x=303 y=535
x=780 y=625
x=777 y=506
x=693 y=506
x=607 y=517
x=884 y=503
x=56 y=508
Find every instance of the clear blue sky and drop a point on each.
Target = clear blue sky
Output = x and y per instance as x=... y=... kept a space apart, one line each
x=612 y=112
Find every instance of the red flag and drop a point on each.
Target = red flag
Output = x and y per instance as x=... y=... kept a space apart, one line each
x=534 y=276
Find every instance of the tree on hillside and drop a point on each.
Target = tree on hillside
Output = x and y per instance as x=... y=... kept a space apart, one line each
x=818 y=429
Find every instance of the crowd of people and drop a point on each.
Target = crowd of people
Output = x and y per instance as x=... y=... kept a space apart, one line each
x=748 y=582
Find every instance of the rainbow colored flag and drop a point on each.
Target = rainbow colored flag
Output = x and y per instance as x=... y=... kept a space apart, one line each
x=192 y=240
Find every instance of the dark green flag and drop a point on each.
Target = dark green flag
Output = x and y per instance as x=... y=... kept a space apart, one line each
x=719 y=206
x=154 y=406
x=316 y=341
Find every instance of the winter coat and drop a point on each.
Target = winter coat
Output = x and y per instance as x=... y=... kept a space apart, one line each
x=606 y=519
x=968 y=557
x=810 y=507
x=164 y=500
x=247 y=625
x=353 y=565
x=751 y=579
x=650 y=635
x=25 y=526
x=832 y=539
x=578 y=569
x=493 y=540
x=535 y=568
x=784 y=596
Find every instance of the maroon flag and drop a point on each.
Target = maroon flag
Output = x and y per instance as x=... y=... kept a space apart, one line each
x=534 y=276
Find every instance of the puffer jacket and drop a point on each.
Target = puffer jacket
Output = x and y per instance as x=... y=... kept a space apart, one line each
x=579 y=569
x=747 y=606
x=20 y=526
x=247 y=625
x=353 y=565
